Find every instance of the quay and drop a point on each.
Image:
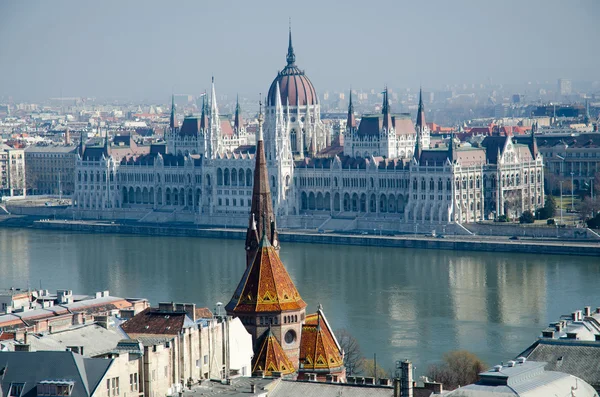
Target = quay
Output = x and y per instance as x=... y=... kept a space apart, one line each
x=447 y=242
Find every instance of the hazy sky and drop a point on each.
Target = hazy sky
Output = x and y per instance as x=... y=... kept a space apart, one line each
x=148 y=49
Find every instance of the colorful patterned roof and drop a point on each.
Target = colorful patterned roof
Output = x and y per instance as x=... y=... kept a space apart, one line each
x=319 y=350
x=271 y=358
x=265 y=286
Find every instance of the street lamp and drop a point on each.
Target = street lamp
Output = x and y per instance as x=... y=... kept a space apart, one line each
x=572 y=191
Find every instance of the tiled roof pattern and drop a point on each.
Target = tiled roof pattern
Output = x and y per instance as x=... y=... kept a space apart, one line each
x=579 y=359
x=318 y=349
x=152 y=321
x=271 y=358
x=295 y=88
x=266 y=286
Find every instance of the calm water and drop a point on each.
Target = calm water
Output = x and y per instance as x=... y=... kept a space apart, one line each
x=399 y=303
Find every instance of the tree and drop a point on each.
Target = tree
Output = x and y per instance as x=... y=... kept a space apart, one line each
x=594 y=223
x=459 y=368
x=589 y=207
x=368 y=369
x=353 y=359
x=527 y=217
x=548 y=210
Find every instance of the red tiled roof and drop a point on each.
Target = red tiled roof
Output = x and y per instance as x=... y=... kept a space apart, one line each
x=152 y=321
x=318 y=348
x=265 y=286
x=271 y=358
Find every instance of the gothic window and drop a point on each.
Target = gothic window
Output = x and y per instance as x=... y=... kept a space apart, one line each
x=422 y=184
x=448 y=184
x=415 y=184
x=219 y=177
x=477 y=182
x=293 y=142
x=226 y=177
x=470 y=182
x=431 y=185
x=248 y=177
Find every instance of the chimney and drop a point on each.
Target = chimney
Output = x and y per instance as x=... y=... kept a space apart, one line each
x=252 y=388
x=385 y=382
x=168 y=307
x=369 y=381
x=23 y=347
x=397 y=389
x=587 y=311
x=406 y=379
x=574 y=316
x=25 y=338
x=435 y=387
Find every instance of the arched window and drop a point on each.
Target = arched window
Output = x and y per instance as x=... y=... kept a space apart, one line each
x=431 y=185
x=219 y=177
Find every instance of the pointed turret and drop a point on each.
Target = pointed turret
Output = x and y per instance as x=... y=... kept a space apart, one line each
x=214 y=110
x=81 y=144
x=291 y=57
x=533 y=148
x=271 y=358
x=420 y=113
x=204 y=115
x=106 y=147
x=351 y=122
x=237 y=122
x=387 y=116
x=451 y=148
x=173 y=119
x=262 y=208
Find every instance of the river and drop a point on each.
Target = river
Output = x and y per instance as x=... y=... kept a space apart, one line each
x=398 y=303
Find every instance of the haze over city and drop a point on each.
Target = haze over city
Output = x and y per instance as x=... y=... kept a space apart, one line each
x=148 y=49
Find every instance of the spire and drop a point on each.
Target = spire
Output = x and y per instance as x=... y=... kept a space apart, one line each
x=214 y=110
x=421 y=112
x=417 y=153
x=351 y=122
x=237 y=121
x=451 y=148
x=533 y=144
x=81 y=144
x=262 y=207
x=204 y=116
x=291 y=57
x=106 y=142
x=387 y=117
x=173 y=120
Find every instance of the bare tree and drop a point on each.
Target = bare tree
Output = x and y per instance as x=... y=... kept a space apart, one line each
x=589 y=207
x=353 y=359
x=368 y=369
x=459 y=368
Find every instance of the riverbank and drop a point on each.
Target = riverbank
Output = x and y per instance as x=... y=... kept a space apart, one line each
x=463 y=243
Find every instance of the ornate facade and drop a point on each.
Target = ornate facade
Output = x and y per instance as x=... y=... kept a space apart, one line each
x=385 y=169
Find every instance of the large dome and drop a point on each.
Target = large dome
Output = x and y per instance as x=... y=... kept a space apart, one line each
x=294 y=86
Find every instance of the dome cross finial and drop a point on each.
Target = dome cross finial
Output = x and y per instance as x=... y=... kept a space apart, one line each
x=291 y=57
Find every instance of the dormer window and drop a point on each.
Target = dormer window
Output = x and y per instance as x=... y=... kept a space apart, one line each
x=16 y=389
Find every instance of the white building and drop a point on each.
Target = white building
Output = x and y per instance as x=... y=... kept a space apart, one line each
x=384 y=173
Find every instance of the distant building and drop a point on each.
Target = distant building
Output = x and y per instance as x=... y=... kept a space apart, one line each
x=378 y=172
x=12 y=171
x=564 y=87
x=50 y=169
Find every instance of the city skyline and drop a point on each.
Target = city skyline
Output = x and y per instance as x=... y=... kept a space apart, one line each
x=135 y=52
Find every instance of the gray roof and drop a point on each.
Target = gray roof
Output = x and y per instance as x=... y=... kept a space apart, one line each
x=524 y=379
x=287 y=388
x=578 y=358
x=50 y=149
x=33 y=367
x=94 y=339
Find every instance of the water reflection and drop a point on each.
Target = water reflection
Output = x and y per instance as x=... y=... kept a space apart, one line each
x=399 y=303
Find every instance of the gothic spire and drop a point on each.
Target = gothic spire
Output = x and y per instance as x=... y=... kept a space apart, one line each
x=237 y=121
x=291 y=57
x=81 y=144
x=261 y=210
x=451 y=148
x=387 y=117
x=421 y=112
x=173 y=120
x=533 y=144
x=214 y=110
x=204 y=115
x=351 y=122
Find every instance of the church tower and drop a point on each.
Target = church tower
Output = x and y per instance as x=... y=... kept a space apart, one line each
x=422 y=139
